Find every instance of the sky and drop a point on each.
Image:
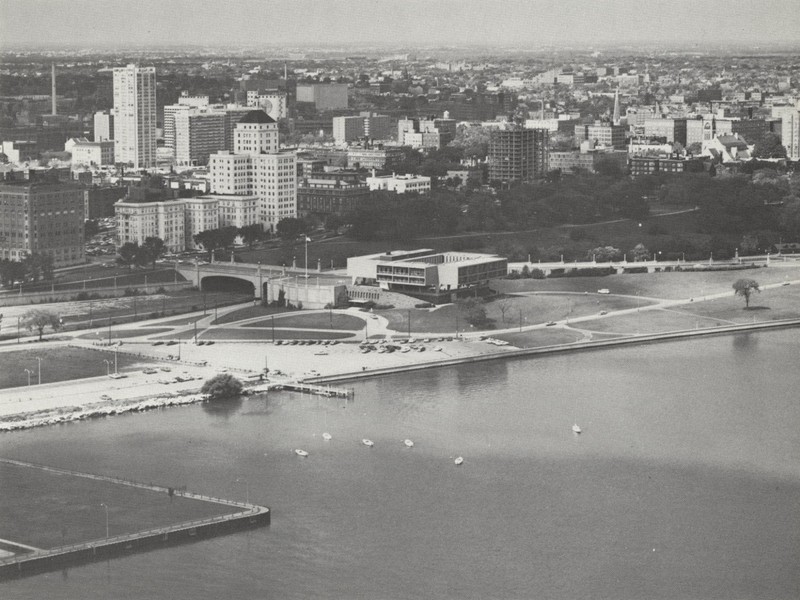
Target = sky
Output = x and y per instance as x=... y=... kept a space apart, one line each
x=417 y=23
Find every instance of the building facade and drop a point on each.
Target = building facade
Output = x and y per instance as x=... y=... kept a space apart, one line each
x=104 y=126
x=197 y=136
x=517 y=154
x=87 y=153
x=323 y=197
x=400 y=184
x=42 y=218
x=380 y=158
x=135 y=116
x=324 y=96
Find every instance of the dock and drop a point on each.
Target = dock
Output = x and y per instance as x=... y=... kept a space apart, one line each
x=36 y=560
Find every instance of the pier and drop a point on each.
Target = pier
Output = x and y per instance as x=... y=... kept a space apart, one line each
x=32 y=560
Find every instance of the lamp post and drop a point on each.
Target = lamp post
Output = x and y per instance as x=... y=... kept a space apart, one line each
x=28 y=371
x=40 y=370
x=115 y=359
x=306 y=266
x=108 y=366
x=104 y=505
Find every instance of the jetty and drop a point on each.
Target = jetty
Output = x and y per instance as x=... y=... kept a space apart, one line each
x=29 y=560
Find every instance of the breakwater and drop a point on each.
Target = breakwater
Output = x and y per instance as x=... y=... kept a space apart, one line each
x=247 y=516
x=561 y=348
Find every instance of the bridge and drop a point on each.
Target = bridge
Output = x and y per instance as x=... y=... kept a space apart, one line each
x=312 y=289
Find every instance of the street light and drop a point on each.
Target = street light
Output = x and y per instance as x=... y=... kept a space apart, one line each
x=40 y=370
x=28 y=371
x=104 y=505
x=108 y=366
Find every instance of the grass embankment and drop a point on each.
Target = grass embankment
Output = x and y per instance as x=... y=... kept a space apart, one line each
x=94 y=276
x=266 y=335
x=61 y=364
x=326 y=320
x=46 y=510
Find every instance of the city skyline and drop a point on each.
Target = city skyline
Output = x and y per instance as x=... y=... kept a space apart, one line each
x=533 y=23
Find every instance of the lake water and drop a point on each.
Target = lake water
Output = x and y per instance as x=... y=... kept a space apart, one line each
x=684 y=484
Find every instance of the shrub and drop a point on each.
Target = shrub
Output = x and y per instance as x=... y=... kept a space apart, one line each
x=657 y=229
x=161 y=290
x=222 y=386
x=82 y=296
x=153 y=315
x=131 y=292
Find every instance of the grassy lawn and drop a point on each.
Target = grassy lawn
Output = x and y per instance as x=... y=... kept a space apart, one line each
x=60 y=364
x=771 y=304
x=313 y=321
x=540 y=337
x=675 y=285
x=98 y=277
x=266 y=334
x=121 y=334
x=249 y=312
x=46 y=510
x=653 y=321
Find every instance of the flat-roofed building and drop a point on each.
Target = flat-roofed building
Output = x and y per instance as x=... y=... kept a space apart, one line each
x=85 y=153
x=324 y=96
x=380 y=158
x=425 y=273
x=400 y=184
x=137 y=221
x=198 y=135
x=42 y=218
x=517 y=154
x=330 y=196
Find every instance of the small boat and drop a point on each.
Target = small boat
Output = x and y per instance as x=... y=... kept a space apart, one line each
x=327 y=436
x=300 y=452
x=459 y=460
x=576 y=428
x=408 y=443
x=367 y=442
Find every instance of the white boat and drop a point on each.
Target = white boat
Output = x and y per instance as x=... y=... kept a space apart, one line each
x=408 y=443
x=327 y=436
x=459 y=460
x=300 y=452
x=367 y=442
x=576 y=428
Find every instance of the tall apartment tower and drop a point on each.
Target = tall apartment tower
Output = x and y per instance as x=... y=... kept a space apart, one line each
x=135 y=116
x=104 y=126
x=518 y=155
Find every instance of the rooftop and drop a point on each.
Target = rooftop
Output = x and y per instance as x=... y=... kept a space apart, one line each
x=256 y=116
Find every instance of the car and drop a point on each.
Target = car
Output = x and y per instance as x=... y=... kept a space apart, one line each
x=105 y=397
x=166 y=369
x=373 y=317
x=149 y=371
x=603 y=312
x=116 y=375
x=209 y=343
x=603 y=291
x=158 y=343
x=550 y=323
x=785 y=283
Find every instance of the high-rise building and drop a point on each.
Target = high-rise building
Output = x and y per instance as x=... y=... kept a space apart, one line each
x=790 y=129
x=104 y=126
x=257 y=167
x=198 y=135
x=135 y=116
x=347 y=129
x=517 y=154
x=42 y=218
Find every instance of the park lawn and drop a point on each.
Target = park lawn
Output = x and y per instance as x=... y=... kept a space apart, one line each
x=249 y=312
x=768 y=305
x=650 y=321
x=182 y=321
x=266 y=334
x=61 y=364
x=540 y=337
x=327 y=320
x=673 y=285
x=46 y=510
x=121 y=334
x=100 y=277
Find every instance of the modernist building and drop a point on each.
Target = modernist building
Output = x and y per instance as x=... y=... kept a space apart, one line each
x=42 y=218
x=197 y=136
x=365 y=125
x=569 y=161
x=380 y=158
x=649 y=165
x=673 y=130
x=135 y=116
x=401 y=184
x=324 y=96
x=425 y=273
x=104 y=126
x=601 y=134
x=20 y=151
x=517 y=154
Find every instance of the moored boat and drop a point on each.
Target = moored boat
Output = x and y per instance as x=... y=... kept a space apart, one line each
x=459 y=460
x=300 y=452
x=367 y=442
x=408 y=443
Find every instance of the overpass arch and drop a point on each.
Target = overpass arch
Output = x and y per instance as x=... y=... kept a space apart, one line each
x=227 y=283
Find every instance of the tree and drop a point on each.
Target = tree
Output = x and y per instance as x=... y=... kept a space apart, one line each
x=221 y=387
x=252 y=233
x=11 y=271
x=128 y=253
x=290 y=227
x=744 y=288
x=504 y=306
x=604 y=254
x=37 y=319
x=209 y=240
x=769 y=147
x=152 y=249
x=640 y=252
x=475 y=311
